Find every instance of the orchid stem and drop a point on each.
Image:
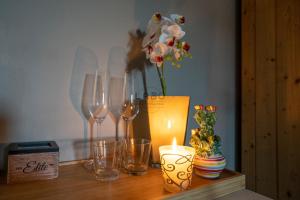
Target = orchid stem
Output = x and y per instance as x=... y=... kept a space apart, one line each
x=162 y=79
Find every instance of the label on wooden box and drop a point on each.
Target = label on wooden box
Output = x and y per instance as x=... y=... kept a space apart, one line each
x=32 y=161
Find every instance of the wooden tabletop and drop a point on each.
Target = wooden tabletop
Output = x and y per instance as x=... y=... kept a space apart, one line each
x=75 y=182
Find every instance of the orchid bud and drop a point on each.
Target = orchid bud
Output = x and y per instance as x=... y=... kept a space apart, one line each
x=179 y=19
x=156 y=17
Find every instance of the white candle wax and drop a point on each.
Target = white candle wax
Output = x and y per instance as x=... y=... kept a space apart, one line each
x=177 y=167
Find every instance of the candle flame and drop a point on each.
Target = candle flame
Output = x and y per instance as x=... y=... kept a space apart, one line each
x=174 y=144
x=169 y=124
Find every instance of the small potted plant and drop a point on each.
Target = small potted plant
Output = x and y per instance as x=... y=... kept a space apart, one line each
x=209 y=161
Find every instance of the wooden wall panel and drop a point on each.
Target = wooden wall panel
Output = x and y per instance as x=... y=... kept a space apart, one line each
x=271 y=79
x=265 y=99
x=288 y=65
x=248 y=92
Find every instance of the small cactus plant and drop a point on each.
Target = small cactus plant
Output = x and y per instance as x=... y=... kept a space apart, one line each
x=203 y=139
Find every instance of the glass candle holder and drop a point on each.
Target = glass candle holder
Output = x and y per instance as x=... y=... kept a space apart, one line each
x=177 y=167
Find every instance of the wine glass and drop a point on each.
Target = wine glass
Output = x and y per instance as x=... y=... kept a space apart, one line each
x=115 y=100
x=130 y=102
x=95 y=100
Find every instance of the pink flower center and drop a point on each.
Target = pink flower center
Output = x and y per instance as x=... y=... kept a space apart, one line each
x=150 y=49
x=182 y=20
x=152 y=36
x=159 y=59
x=171 y=42
x=186 y=46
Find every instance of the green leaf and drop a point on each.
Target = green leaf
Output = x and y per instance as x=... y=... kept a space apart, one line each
x=205 y=142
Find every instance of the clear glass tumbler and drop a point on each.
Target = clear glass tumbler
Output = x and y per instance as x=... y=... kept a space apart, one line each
x=136 y=154
x=106 y=159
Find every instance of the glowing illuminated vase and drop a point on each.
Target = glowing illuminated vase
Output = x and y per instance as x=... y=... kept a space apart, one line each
x=210 y=167
x=177 y=167
x=160 y=119
x=167 y=119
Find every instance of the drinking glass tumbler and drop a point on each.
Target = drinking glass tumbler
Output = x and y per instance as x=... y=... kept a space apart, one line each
x=106 y=159
x=136 y=156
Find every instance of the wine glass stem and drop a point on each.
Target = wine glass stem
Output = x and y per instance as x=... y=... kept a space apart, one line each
x=126 y=129
x=98 y=128
x=117 y=129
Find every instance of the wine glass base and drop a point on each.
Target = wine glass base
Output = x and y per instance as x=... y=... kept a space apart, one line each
x=89 y=165
x=135 y=170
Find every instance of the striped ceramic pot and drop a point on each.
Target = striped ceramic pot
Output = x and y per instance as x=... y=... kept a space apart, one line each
x=210 y=167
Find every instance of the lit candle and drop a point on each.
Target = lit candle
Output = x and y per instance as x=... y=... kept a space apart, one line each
x=176 y=164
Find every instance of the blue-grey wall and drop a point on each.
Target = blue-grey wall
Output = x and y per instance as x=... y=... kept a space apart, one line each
x=43 y=43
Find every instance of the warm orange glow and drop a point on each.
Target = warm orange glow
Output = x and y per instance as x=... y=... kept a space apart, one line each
x=169 y=124
x=167 y=119
x=174 y=144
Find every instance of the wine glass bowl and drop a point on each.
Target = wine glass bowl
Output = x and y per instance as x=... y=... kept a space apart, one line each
x=115 y=100
x=98 y=112
x=130 y=103
x=130 y=109
x=95 y=102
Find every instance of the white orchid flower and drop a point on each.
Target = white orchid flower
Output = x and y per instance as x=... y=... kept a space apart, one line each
x=154 y=29
x=177 y=53
x=156 y=59
x=173 y=31
x=163 y=38
x=161 y=48
x=158 y=53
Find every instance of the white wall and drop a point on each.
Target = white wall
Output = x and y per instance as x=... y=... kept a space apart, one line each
x=42 y=41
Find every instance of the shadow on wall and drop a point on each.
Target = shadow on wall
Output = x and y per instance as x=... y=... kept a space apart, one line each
x=85 y=62
x=4 y=123
x=136 y=60
x=4 y=126
x=82 y=148
x=116 y=66
x=3 y=156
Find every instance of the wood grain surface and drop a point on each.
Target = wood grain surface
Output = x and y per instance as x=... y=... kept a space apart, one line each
x=271 y=97
x=266 y=135
x=248 y=92
x=75 y=182
x=288 y=98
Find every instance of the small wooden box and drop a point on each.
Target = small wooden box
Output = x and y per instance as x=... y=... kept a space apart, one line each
x=30 y=161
